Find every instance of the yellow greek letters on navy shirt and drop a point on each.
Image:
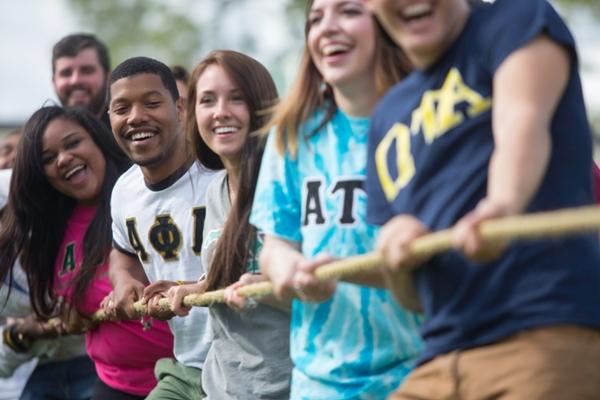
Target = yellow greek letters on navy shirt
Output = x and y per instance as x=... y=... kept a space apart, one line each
x=437 y=113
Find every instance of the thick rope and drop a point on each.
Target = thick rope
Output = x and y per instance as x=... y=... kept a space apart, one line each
x=531 y=226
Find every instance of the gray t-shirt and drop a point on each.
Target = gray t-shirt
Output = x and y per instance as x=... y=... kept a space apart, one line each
x=249 y=355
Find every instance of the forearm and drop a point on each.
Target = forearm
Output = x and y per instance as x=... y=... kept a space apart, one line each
x=518 y=164
x=374 y=279
x=527 y=88
x=124 y=268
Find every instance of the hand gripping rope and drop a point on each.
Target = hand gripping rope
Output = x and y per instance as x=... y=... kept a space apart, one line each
x=520 y=227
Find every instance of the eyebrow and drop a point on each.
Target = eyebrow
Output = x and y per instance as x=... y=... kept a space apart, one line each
x=146 y=94
x=63 y=139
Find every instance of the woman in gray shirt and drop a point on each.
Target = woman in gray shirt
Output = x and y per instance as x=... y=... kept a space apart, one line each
x=228 y=96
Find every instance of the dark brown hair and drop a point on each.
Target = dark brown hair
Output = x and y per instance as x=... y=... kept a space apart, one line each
x=33 y=223
x=71 y=45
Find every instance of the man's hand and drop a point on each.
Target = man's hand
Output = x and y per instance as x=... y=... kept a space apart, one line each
x=153 y=294
x=466 y=237
x=395 y=239
x=128 y=279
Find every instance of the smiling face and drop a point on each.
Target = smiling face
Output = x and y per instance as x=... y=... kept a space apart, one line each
x=221 y=114
x=424 y=29
x=8 y=150
x=341 y=41
x=80 y=80
x=145 y=122
x=73 y=163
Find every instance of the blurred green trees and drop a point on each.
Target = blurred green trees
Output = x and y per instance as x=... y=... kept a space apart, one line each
x=181 y=31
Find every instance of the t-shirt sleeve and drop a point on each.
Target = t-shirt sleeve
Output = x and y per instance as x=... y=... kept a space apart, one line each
x=276 y=209
x=119 y=230
x=378 y=208
x=511 y=24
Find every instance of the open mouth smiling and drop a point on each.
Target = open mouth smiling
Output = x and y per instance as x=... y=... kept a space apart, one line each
x=417 y=11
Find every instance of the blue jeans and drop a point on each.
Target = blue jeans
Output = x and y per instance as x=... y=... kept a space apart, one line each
x=71 y=379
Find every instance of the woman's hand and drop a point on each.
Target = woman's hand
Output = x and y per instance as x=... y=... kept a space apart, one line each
x=233 y=300
x=307 y=286
x=175 y=294
x=75 y=323
x=279 y=261
x=291 y=274
x=35 y=329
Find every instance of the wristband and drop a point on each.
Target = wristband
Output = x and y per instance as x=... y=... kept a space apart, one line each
x=15 y=340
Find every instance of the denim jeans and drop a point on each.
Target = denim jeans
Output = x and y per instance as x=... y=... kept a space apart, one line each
x=71 y=379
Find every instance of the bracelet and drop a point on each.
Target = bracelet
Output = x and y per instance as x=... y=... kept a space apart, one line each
x=15 y=340
x=179 y=282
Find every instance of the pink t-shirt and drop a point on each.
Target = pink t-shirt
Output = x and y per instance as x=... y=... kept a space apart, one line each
x=123 y=353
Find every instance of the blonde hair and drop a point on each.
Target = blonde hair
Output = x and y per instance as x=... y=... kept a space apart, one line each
x=310 y=92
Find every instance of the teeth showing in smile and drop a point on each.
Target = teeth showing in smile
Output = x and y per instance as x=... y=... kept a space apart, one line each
x=330 y=49
x=73 y=171
x=225 y=129
x=141 y=135
x=417 y=10
x=79 y=92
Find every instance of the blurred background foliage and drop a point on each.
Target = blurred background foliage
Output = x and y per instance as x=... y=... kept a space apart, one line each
x=182 y=31
x=592 y=5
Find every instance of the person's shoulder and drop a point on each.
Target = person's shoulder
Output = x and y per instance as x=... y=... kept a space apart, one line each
x=508 y=25
x=133 y=176
x=202 y=174
x=516 y=11
x=314 y=121
x=217 y=180
x=397 y=95
x=519 y=14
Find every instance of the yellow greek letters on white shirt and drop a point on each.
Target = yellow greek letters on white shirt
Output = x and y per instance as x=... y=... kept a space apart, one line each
x=437 y=114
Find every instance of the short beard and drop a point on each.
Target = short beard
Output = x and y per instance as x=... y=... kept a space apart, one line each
x=97 y=102
x=167 y=151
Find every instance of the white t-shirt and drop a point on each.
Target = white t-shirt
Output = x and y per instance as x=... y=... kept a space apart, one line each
x=162 y=224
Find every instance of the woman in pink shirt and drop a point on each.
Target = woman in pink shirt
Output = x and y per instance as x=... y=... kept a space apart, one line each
x=58 y=220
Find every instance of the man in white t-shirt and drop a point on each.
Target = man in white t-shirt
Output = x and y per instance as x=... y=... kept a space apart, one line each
x=158 y=210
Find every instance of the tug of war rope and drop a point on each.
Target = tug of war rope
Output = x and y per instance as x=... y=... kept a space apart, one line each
x=521 y=227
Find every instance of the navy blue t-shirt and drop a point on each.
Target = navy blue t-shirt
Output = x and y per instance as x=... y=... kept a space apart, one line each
x=429 y=148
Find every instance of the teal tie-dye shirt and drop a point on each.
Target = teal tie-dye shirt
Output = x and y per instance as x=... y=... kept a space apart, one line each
x=360 y=344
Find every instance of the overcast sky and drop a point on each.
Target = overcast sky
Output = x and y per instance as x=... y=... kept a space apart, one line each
x=29 y=28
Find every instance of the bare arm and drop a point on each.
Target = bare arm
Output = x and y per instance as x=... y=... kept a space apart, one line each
x=291 y=273
x=128 y=278
x=278 y=262
x=527 y=88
